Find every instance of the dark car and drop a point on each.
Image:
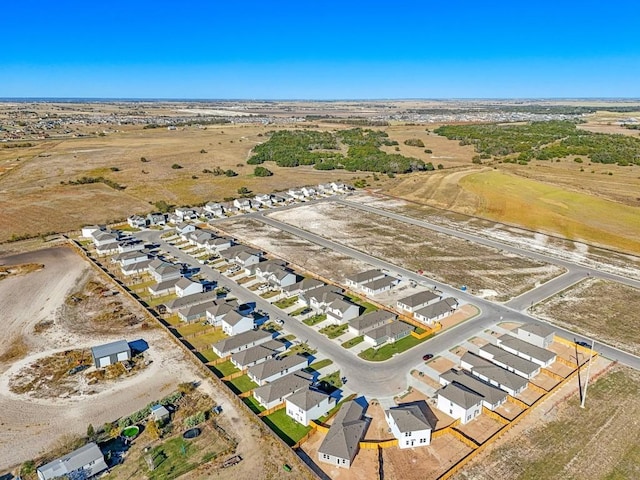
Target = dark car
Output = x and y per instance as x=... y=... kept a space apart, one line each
x=428 y=356
x=583 y=344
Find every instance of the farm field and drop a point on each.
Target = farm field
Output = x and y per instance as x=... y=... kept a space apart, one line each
x=599 y=309
x=486 y=271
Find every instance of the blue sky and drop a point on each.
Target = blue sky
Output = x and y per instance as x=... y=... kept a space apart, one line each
x=320 y=49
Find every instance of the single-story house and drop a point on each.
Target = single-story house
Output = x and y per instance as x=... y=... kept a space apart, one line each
x=231 y=345
x=436 y=311
x=185 y=287
x=369 y=321
x=341 y=310
x=388 y=333
x=492 y=396
x=85 y=462
x=379 y=286
x=275 y=368
x=102 y=237
x=129 y=258
x=195 y=299
x=162 y=271
x=526 y=350
x=234 y=323
x=110 y=353
x=194 y=312
x=302 y=286
x=159 y=413
x=417 y=301
x=135 y=268
x=459 y=402
x=489 y=372
x=511 y=362
x=136 y=221
x=307 y=404
x=163 y=288
x=411 y=424
x=274 y=393
x=258 y=354
x=537 y=334
x=342 y=442
x=359 y=279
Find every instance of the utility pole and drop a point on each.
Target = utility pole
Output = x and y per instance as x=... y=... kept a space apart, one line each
x=586 y=383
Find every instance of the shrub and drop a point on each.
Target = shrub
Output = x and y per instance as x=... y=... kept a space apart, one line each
x=176 y=166
x=262 y=172
x=203 y=151
x=114 y=169
x=230 y=173
x=194 y=420
x=414 y=142
x=143 y=160
x=428 y=150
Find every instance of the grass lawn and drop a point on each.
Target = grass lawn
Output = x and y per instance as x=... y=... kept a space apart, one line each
x=207 y=355
x=285 y=427
x=286 y=302
x=246 y=279
x=242 y=384
x=207 y=339
x=316 y=319
x=320 y=364
x=300 y=348
x=174 y=320
x=334 y=379
x=289 y=338
x=387 y=351
x=269 y=294
x=154 y=302
x=192 y=328
x=253 y=404
x=142 y=286
x=334 y=331
x=225 y=368
x=353 y=342
x=299 y=311
x=368 y=307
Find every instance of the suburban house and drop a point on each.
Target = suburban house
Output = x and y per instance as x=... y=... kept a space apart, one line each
x=358 y=280
x=111 y=353
x=242 y=204
x=135 y=268
x=87 y=231
x=106 y=242
x=325 y=188
x=275 y=368
x=482 y=368
x=199 y=238
x=411 y=424
x=511 y=362
x=258 y=354
x=492 y=396
x=417 y=301
x=307 y=404
x=156 y=219
x=129 y=258
x=218 y=244
x=341 y=310
x=388 y=333
x=194 y=312
x=85 y=462
x=130 y=245
x=319 y=298
x=436 y=311
x=190 y=300
x=275 y=273
x=459 y=402
x=379 y=286
x=274 y=393
x=163 y=288
x=241 y=255
x=186 y=213
x=309 y=191
x=185 y=287
x=231 y=345
x=162 y=271
x=184 y=228
x=302 y=286
x=536 y=334
x=263 y=199
x=136 y=221
x=218 y=309
x=296 y=193
x=342 y=442
x=159 y=413
x=234 y=323
x=214 y=208
x=370 y=321
x=526 y=350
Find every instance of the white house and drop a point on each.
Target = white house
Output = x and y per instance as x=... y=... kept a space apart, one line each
x=162 y=271
x=263 y=199
x=89 y=229
x=185 y=287
x=274 y=393
x=319 y=298
x=276 y=368
x=509 y=361
x=370 y=321
x=459 y=402
x=136 y=221
x=85 y=462
x=436 y=311
x=231 y=345
x=309 y=191
x=492 y=396
x=218 y=309
x=129 y=258
x=411 y=424
x=186 y=213
x=234 y=323
x=536 y=334
x=159 y=413
x=215 y=208
x=306 y=405
x=489 y=372
x=217 y=244
x=342 y=442
x=340 y=311
x=356 y=281
x=378 y=286
x=111 y=353
x=130 y=245
x=185 y=228
x=417 y=301
x=388 y=333
x=258 y=354
x=156 y=218
x=296 y=193
x=242 y=204
x=526 y=350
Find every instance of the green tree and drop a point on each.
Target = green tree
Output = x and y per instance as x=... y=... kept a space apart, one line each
x=176 y=166
x=244 y=191
x=262 y=172
x=91 y=432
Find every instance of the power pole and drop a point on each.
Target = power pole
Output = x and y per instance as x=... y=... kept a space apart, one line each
x=586 y=383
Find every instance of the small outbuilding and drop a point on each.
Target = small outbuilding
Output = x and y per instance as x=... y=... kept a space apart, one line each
x=110 y=353
x=160 y=413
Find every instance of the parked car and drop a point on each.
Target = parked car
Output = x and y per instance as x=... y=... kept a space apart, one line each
x=279 y=321
x=583 y=344
x=427 y=356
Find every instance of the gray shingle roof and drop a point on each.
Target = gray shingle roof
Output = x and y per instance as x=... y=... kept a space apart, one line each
x=380 y=283
x=460 y=395
x=345 y=433
x=509 y=359
x=227 y=345
x=364 y=277
x=490 y=393
x=436 y=309
x=307 y=399
x=112 y=348
x=541 y=354
x=494 y=372
x=538 y=329
x=390 y=330
x=159 y=287
x=75 y=460
x=418 y=298
x=233 y=318
x=373 y=318
x=410 y=418
x=283 y=386
x=189 y=300
x=273 y=366
x=259 y=352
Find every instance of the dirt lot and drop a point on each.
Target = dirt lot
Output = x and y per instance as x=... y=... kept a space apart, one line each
x=599 y=309
x=480 y=428
x=32 y=426
x=487 y=272
x=559 y=440
x=307 y=255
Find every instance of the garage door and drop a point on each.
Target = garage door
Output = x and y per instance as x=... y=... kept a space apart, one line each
x=104 y=361
x=123 y=356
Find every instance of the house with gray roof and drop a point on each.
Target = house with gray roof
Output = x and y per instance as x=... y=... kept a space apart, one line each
x=135 y=268
x=111 y=353
x=342 y=443
x=275 y=368
x=274 y=393
x=359 y=279
x=258 y=354
x=85 y=462
x=492 y=396
x=136 y=221
x=194 y=312
x=162 y=271
x=302 y=286
x=195 y=299
x=130 y=245
x=319 y=298
x=308 y=404
x=218 y=309
x=459 y=402
x=234 y=323
x=537 y=334
x=185 y=287
x=485 y=370
x=184 y=228
x=131 y=257
x=526 y=350
x=163 y=288
x=436 y=311
x=511 y=362
x=369 y=321
x=241 y=255
x=417 y=301
x=342 y=310
x=388 y=333
x=231 y=345
x=156 y=218
x=379 y=286
x=411 y=424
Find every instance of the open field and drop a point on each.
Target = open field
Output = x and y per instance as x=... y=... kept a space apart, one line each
x=600 y=309
x=309 y=256
x=486 y=271
x=560 y=440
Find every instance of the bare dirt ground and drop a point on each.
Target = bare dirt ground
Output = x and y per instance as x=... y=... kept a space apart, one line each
x=486 y=271
x=480 y=428
x=599 y=309
x=559 y=440
x=32 y=426
x=309 y=256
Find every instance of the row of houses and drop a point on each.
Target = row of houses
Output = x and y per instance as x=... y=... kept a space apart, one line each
x=427 y=307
